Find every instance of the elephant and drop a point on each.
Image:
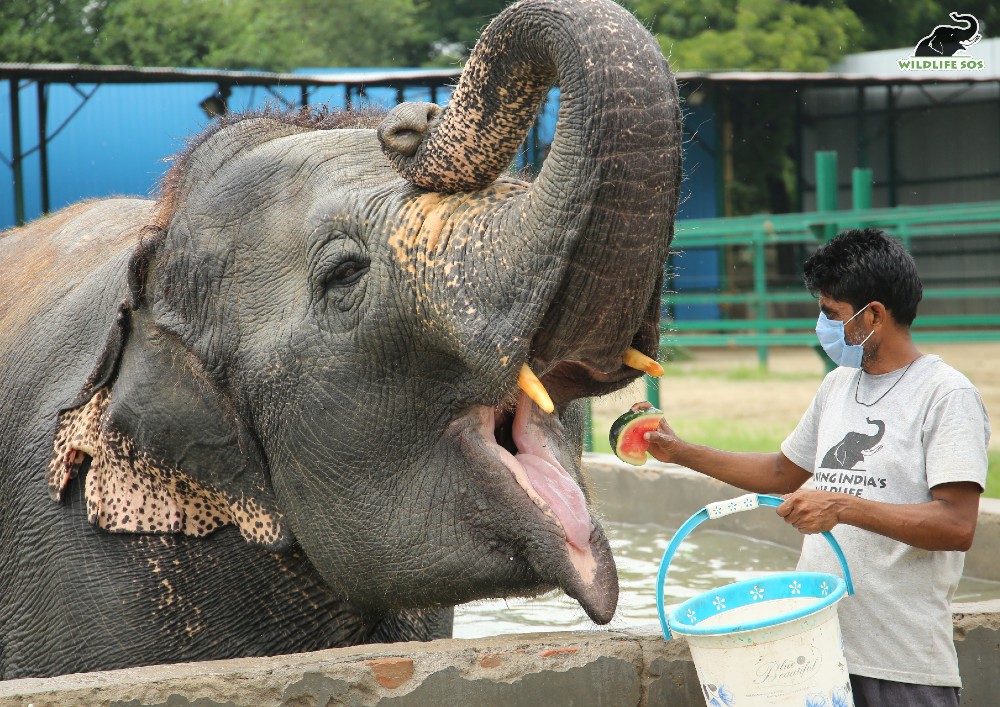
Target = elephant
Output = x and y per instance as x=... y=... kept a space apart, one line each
x=331 y=382
x=948 y=40
x=850 y=450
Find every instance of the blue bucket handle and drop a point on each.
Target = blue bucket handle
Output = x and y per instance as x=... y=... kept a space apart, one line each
x=717 y=510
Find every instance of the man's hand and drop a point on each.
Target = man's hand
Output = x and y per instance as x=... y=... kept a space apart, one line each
x=663 y=442
x=812 y=511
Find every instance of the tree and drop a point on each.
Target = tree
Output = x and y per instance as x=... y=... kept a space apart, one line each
x=751 y=35
x=455 y=25
x=887 y=24
x=262 y=34
x=49 y=30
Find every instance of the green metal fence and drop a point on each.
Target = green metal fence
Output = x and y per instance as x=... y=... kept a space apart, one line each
x=762 y=330
x=758 y=233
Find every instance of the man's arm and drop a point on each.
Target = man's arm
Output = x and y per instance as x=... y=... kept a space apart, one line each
x=947 y=522
x=751 y=471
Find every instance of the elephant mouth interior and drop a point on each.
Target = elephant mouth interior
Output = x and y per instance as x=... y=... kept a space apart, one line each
x=528 y=447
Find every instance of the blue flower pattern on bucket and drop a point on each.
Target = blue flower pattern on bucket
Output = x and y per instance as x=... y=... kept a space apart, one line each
x=717 y=620
x=816 y=699
x=838 y=698
x=721 y=696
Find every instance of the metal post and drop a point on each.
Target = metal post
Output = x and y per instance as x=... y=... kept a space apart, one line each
x=862 y=137
x=726 y=150
x=43 y=146
x=347 y=96
x=400 y=98
x=760 y=293
x=861 y=188
x=800 y=176
x=304 y=92
x=653 y=391
x=434 y=94
x=890 y=117
x=826 y=187
x=536 y=162
x=15 y=143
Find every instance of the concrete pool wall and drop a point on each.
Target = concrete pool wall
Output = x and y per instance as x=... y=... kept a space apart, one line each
x=633 y=667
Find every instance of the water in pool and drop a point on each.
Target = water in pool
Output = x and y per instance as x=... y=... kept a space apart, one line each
x=707 y=559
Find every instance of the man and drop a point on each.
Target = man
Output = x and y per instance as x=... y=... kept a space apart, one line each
x=895 y=444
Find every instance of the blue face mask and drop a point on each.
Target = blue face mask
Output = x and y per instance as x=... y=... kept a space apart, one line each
x=831 y=338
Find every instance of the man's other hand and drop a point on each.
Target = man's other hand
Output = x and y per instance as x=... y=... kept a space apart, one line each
x=812 y=511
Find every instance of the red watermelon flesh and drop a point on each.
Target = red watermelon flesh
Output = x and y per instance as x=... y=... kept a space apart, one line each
x=628 y=434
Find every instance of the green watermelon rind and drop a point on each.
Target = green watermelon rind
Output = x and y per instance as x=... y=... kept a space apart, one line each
x=626 y=422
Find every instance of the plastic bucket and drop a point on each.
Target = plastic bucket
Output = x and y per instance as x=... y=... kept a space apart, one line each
x=770 y=641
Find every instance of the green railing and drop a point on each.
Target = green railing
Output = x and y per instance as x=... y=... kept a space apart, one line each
x=760 y=330
x=758 y=233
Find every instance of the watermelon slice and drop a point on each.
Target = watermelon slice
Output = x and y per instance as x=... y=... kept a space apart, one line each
x=627 y=434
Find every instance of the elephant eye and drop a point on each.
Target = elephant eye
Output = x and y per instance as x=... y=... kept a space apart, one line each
x=347 y=273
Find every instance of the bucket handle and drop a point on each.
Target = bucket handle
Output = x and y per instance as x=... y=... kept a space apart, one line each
x=718 y=510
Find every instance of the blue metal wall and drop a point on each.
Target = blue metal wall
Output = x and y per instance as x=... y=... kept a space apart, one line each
x=697 y=269
x=118 y=143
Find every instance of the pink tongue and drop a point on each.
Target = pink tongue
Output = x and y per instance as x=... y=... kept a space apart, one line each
x=562 y=495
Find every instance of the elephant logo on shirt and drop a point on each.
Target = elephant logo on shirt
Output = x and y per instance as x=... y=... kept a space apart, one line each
x=851 y=450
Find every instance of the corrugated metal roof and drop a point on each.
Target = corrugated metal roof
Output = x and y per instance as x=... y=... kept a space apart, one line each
x=83 y=73
x=829 y=78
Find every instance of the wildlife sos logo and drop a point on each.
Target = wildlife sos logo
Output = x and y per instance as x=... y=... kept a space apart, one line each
x=946 y=47
x=840 y=471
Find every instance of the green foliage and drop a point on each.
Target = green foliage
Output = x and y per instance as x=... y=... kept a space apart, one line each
x=48 y=30
x=230 y=34
x=993 y=475
x=792 y=35
x=888 y=24
x=457 y=25
x=752 y=35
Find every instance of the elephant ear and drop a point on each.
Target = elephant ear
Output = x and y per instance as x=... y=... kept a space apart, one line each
x=936 y=45
x=161 y=449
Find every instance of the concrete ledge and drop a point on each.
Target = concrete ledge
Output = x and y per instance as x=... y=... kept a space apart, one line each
x=633 y=667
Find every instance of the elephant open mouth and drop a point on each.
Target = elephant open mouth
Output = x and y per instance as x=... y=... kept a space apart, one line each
x=530 y=467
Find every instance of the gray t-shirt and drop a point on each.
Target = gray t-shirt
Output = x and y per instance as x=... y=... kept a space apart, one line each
x=891 y=438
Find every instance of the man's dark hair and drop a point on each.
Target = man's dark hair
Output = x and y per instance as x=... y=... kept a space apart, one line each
x=862 y=266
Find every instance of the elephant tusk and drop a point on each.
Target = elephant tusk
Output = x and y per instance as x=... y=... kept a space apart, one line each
x=636 y=359
x=529 y=383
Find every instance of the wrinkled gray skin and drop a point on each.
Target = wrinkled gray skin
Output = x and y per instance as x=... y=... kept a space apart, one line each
x=301 y=328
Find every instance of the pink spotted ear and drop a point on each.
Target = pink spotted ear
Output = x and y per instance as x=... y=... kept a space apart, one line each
x=128 y=491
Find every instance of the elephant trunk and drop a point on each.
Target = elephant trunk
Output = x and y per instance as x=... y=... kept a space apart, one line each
x=595 y=226
x=877 y=437
x=967 y=32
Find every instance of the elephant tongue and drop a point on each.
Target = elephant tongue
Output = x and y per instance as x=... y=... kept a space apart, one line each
x=547 y=476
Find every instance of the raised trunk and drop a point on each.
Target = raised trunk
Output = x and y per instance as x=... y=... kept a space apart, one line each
x=971 y=30
x=601 y=212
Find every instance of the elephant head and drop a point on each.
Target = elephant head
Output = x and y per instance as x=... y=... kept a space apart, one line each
x=851 y=450
x=338 y=338
x=947 y=40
